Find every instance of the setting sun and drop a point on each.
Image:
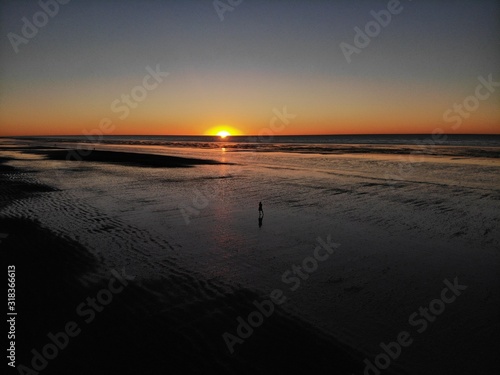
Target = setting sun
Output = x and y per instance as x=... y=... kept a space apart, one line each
x=223 y=133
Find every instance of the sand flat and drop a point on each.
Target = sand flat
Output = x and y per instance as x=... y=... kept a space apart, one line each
x=399 y=240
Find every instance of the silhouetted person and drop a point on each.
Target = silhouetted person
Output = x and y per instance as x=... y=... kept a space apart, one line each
x=261 y=211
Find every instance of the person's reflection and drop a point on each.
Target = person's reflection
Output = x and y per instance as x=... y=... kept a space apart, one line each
x=261 y=214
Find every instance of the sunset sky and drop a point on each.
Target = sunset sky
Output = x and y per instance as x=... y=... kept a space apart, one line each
x=236 y=72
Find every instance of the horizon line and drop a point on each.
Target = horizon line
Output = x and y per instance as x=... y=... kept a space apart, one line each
x=247 y=135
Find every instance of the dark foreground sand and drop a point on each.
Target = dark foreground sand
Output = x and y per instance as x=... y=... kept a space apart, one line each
x=404 y=229
x=147 y=328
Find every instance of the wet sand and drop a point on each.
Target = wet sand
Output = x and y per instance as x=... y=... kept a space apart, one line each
x=166 y=325
x=399 y=241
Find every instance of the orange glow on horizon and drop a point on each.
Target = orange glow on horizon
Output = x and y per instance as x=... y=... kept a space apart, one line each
x=325 y=127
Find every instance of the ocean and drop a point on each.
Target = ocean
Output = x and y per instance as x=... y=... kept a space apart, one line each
x=257 y=141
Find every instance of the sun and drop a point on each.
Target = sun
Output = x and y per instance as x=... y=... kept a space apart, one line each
x=223 y=131
x=223 y=134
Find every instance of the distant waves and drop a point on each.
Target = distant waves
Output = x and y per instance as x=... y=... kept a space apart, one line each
x=453 y=145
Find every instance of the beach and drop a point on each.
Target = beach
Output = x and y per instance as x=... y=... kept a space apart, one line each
x=361 y=246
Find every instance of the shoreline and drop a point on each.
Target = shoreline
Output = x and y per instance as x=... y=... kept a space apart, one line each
x=414 y=151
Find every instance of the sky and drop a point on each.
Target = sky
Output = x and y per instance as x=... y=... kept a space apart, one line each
x=289 y=67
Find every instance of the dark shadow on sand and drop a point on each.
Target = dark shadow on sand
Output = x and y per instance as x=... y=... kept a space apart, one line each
x=126 y=158
x=153 y=327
